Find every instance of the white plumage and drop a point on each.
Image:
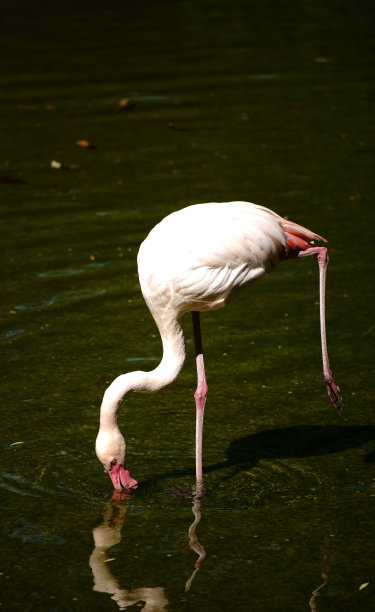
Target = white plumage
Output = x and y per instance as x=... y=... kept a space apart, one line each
x=197 y=256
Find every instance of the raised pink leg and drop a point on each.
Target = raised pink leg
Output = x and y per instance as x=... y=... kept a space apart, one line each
x=200 y=398
x=332 y=389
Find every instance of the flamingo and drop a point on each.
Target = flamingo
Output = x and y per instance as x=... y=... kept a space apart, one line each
x=194 y=260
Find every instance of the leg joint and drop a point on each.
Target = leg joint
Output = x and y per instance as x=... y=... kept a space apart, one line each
x=201 y=392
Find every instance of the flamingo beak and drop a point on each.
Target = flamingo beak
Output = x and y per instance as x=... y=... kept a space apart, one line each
x=121 y=478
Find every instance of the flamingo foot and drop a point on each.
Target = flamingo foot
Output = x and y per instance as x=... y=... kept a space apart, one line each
x=334 y=394
x=121 y=478
x=199 y=493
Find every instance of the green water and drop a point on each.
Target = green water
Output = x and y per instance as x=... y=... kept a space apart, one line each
x=261 y=101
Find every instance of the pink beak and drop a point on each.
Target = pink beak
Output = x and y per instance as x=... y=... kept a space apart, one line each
x=121 y=478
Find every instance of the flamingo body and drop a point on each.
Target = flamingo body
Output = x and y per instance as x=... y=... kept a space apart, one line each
x=195 y=260
x=196 y=257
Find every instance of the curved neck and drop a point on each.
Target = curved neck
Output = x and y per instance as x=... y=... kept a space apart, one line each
x=165 y=373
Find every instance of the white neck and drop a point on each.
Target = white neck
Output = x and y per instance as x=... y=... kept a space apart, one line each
x=164 y=374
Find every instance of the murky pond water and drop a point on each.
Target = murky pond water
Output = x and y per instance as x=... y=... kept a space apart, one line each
x=260 y=101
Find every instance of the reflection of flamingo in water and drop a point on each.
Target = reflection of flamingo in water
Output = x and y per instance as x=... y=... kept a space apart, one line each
x=194 y=260
x=194 y=543
x=106 y=535
x=326 y=566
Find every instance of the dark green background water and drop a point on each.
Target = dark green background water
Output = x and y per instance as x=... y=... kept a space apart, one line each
x=274 y=102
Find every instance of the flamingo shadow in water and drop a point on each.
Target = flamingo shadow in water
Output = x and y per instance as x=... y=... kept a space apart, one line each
x=284 y=443
x=298 y=441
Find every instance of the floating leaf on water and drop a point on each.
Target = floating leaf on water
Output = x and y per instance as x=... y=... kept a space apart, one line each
x=56 y=164
x=363 y=586
x=85 y=144
x=16 y=443
x=125 y=103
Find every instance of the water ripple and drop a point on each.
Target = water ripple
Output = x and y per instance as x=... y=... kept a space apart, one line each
x=11 y=333
x=32 y=532
x=61 y=273
x=60 y=299
x=143 y=359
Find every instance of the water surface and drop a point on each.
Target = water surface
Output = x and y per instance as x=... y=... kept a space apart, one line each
x=260 y=101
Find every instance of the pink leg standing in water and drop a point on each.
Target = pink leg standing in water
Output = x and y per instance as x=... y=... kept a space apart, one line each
x=200 y=394
x=200 y=398
x=332 y=389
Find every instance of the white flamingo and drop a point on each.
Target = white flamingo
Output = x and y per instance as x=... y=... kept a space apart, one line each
x=194 y=260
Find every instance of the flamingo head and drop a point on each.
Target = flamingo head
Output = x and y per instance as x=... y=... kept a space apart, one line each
x=111 y=449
